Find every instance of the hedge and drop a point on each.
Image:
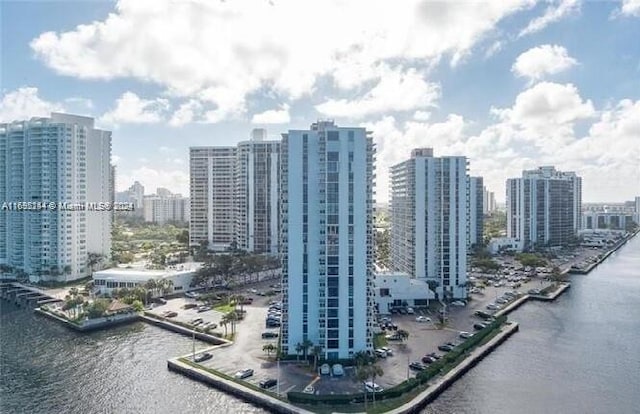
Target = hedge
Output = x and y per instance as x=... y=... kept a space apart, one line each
x=448 y=361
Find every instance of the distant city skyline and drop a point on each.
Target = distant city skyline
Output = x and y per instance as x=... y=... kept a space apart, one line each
x=509 y=85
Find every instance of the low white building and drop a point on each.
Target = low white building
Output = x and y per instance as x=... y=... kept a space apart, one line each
x=396 y=290
x=129 y=277
x=498 y=244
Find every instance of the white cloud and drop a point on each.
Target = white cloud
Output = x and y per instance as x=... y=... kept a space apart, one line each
x=421 y=115
x=273 y=116
x=24 y=103
x=175 y=180
x=396 y=90
x=547 y=108
x=130 y=108
x=542 y=60
x=630 y=8
x=115 y=159
x=80 y=102
x=187 y=113
x=221 y=52
x=554 y=13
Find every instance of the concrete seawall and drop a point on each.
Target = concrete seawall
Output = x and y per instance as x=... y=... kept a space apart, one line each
x=428 y=395
x=257 y=398
x=595 y=264
x=94 y=324
x=184 y=331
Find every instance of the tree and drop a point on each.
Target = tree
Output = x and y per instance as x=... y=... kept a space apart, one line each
x=375 y=371
x=362 y=374
x=306 y=344
x=224 y=322
x=269 y=348
x=316 y=351
x=299 y=348
x=403 y=334
x=151 y=285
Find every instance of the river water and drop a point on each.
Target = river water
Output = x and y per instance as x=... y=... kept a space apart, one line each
x=579 y=354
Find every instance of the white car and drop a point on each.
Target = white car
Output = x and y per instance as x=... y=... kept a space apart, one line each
x=465 y=335
x=388 y=351
x=337 y=370
x=380 y=353
x=372 y=387
x=245 y=373
x=458 y=303
x=422 y=319
x=325 y=369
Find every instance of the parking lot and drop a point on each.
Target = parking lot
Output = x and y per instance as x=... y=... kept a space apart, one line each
x=424 y=337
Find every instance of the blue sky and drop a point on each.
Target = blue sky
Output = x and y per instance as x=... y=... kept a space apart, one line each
x=511 y=84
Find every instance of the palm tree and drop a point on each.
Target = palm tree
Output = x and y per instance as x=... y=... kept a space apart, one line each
x=403 y=334
x=240 y=300
x=299 y=349
x=151 y=285
x=306 y=344
x=362 y=374
x=316 y=351
x=375 y=371
x=269 y=348
x=224 y=322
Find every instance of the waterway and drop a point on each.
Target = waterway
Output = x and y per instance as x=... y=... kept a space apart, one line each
x=579 y=354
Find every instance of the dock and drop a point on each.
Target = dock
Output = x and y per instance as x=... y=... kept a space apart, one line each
x=23 y=295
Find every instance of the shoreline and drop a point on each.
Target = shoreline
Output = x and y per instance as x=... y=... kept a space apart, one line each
x=584 y=271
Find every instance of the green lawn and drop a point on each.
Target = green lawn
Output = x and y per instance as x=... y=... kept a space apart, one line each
x=224 y=308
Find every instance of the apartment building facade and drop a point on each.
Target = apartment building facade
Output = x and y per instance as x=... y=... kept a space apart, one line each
x=327 y=239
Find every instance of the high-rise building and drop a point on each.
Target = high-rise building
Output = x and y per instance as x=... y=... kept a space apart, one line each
x=489 y=201
x=430 y=220
x=134 y=195
x=62 y=163
x=476 y=212
x=165 y=206
x=544 y=207
x=327 y=239
x=212 y=187
x=257 y=194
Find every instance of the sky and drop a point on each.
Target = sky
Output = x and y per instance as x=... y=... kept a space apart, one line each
x=510 y=84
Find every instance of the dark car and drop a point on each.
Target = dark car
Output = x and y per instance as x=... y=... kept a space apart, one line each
x=416 y=366
x=203 y=357
x=427 y=359
x=272 y=324
x=445 y=348
x=434 y=355
x=268 y=335
x=268 y=383
x=479 y=326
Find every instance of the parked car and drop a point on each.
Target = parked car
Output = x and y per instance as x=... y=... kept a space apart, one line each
x=190 y=305
x=203 y=357
x=380 y=353
x=410 y=311
x=161 y=300
x=309 y=389
x=465 y=335
x=422 y=319
x=427 y=359
x=434 y=355
x=325 y=369
x=371 y=386
x=204 y=308
x=416 y=366
x=196 y=320
x=171 y=314
x=269 y=335
x=479 y=326
x=393 y=337
x=337 y=370
x=268 y=383
x=388 y=351
x=445 y=348
x=492 y=306
x=245 y=373
x=272 y=324
x=458 y=303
